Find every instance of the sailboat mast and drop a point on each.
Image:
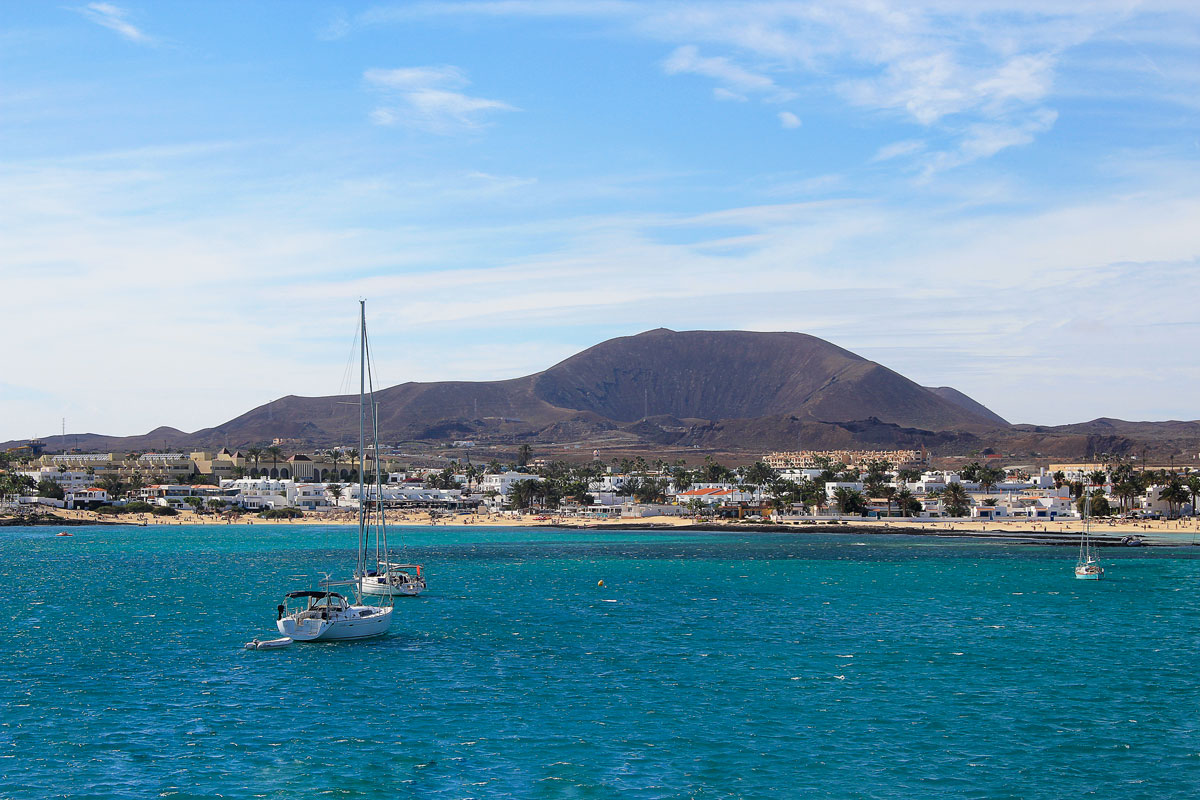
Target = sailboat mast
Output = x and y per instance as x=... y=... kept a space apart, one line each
x=362 y=451
x=381 y=529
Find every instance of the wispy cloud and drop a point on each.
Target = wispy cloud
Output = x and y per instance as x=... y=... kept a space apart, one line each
x=729 y=75
x=985 y=139
x=981 y=76
x=906 y=147
x=104 y=228
x=789 y=120
x=424 y=98
x=116 y=19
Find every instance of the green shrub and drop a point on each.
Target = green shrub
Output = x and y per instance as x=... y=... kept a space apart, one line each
x=139 y=507
x=164 y=511
x=52 y=489
x=109 y=510
x=282 y=513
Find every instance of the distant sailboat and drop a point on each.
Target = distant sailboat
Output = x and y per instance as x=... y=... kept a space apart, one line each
x=324 y=615
x=1087 y=568
x=385 y=578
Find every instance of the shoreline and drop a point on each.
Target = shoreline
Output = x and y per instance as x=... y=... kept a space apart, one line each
x=1107 y=533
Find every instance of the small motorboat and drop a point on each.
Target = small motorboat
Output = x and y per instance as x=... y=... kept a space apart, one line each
x=64 y=533
x=269 y=644
x=1133 y=541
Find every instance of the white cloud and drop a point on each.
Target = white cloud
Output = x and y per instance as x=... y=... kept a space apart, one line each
x=789 y=120
x=417 y=78
x=956 y=68
x=422 y=97
x=985 y=139
x=116 y=19
x=721 y=93
x=263 y=275
x=730 y=75
x=899 y=149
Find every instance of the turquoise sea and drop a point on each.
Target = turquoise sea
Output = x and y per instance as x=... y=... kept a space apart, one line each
x=709 y=665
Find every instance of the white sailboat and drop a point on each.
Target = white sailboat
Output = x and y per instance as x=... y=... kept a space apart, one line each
x=324 y=615
x=396 y=580
x=1087 y=567
x=385 y=578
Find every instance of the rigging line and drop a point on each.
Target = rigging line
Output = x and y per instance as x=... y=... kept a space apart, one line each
x=343 y=388
x=378 y=471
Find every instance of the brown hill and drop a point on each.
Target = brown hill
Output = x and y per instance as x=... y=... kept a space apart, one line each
x=697 y=375
x=660 y=387
x=742 y=375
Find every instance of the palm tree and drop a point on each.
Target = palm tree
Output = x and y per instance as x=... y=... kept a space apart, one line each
x=1193 y=487
x=682 y=476
x=274 y=451
x=849 y=501
x=988 y=477
x=904 y=499
x=955 y=500
x=111 y=484
x=523 y=454
x=255 y=453
x=889 y=493
x=759 y=474
x=713 y=472
x=1174 y=494
x=522 y=493
x=1125 y=491
x=818 y=497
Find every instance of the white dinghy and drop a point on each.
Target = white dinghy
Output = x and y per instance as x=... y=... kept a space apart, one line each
x=269 y=644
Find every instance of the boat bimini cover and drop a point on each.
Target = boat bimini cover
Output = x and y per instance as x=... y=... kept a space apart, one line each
x=314 y=595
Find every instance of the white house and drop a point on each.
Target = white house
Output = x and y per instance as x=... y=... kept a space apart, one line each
x=92 y=495
x=832 y=487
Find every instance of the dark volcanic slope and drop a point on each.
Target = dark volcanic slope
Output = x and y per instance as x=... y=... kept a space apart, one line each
x=742 y=375
x=961 y=400
x=704 y=376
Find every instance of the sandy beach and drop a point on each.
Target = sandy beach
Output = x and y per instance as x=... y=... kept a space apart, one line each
x=1017 y=527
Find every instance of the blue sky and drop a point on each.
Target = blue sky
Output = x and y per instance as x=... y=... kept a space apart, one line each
x=998 y=196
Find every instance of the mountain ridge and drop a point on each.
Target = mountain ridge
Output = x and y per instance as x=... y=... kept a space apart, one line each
x=729 y=390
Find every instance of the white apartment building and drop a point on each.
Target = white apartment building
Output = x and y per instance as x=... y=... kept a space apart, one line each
x=502 y=482
x=70 y=479
x=396 y=495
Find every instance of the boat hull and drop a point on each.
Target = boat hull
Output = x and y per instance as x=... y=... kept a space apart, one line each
x=356 y=622
x=380 y=587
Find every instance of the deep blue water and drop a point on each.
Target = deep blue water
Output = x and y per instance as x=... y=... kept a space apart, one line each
x=710 y=665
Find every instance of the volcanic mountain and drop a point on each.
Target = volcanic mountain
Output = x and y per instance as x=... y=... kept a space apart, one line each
x=658 y=387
